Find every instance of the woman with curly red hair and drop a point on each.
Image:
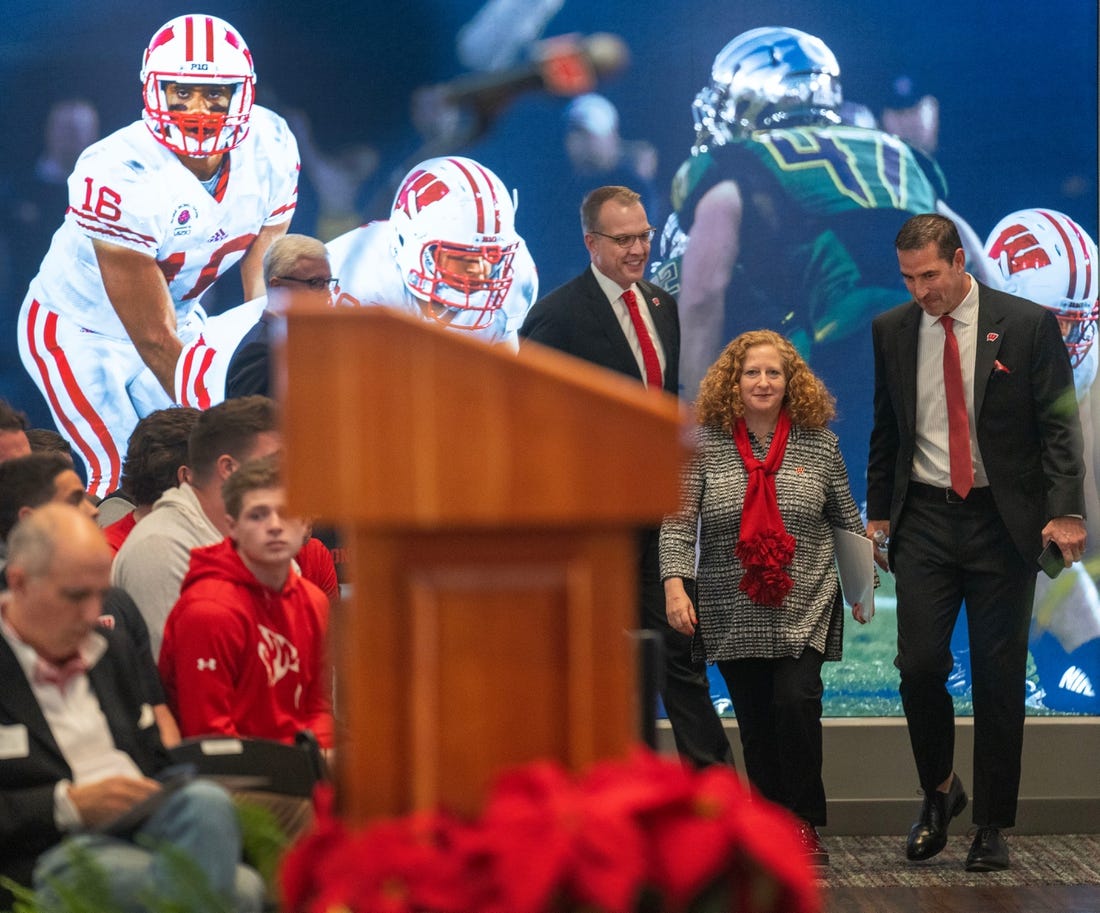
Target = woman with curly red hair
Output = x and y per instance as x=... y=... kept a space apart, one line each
x=765 y=487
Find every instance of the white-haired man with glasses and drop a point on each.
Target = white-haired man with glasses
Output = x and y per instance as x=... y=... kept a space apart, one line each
x=609 y=315
x=296 y=268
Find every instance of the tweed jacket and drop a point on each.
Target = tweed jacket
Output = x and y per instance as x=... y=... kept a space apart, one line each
x=813 y=496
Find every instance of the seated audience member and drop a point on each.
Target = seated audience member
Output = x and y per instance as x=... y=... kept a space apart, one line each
x=31 y=482
x=51 y=480
x=156 y=457
x=13 y=433
x=244 y=647
x=46 y=440
x=81 y=747
x=27 y=482
x=153 y=560
x=317 y=564
x=13 y=443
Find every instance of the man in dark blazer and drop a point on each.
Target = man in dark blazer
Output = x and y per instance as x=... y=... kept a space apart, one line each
x=610 y=316
x=79 y=746
x=968 y=488
x=30 y=482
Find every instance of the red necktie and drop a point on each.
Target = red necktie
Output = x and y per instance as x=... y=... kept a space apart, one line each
x=653 y=377
x=958 y=424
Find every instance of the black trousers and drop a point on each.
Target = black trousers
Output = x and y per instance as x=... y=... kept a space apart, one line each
x=684 y=688
x=945 y=553
x=778 y=707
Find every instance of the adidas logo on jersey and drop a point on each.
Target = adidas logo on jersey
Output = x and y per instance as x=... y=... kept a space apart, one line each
x=1075 y=680
x=219 y=235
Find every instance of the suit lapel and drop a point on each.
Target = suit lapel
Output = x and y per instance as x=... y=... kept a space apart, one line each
x=908 y=341
x=986 y=346
x=18 y=702
x=660 y=315
x=113 y=704
x=620 y=357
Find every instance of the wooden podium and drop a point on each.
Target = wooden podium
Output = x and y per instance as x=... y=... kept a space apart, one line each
x=489 y=505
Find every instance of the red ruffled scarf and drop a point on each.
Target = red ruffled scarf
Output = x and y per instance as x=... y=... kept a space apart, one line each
x=765 y=547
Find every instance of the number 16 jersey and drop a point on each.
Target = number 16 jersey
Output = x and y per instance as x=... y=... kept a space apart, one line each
x=128 y=189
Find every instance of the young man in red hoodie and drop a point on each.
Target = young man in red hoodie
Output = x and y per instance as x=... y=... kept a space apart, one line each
x=244 y=647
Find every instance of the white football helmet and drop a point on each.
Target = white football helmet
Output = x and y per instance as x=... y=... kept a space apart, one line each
x=454 y=238
x=1046 y=257
x=198 y=50
x=767 y=77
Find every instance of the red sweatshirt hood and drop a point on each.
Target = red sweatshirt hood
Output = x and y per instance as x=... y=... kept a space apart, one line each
x=221 y=562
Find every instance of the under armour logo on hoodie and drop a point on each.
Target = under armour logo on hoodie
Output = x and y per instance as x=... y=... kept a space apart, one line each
x=207 y=665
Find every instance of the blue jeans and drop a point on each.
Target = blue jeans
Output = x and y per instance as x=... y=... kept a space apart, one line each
x=199 y=820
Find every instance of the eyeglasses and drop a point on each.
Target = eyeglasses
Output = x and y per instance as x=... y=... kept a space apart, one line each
x=627 y=241
x=316 y=283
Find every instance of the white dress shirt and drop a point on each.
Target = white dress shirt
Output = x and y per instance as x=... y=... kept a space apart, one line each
x=614 y=293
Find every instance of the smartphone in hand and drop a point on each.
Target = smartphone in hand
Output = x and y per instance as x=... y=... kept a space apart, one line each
x=1051 y=560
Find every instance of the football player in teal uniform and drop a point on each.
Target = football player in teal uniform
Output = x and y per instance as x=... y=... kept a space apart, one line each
x=784 y=215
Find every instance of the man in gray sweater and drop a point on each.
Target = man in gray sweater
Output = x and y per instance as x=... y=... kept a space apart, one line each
x=154 y=558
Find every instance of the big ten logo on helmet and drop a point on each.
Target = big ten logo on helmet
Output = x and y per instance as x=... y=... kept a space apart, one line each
x=421 y=189
x=201 y=67
x=1019 y=248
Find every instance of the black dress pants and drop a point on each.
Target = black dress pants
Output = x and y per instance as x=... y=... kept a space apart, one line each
x=945 y=553
x=684 y=688
x=778 y=707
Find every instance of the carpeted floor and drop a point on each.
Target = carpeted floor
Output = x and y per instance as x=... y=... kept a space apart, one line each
x=874 y=862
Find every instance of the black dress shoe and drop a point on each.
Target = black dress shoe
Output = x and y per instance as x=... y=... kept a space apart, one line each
x=929 y=835
x=988 y=852
x=812 y=847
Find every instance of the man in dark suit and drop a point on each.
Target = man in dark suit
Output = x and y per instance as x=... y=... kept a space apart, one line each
x=26 y=484
x=79 y=746
x=293 y=265
x=610 y=316
x=975 y=464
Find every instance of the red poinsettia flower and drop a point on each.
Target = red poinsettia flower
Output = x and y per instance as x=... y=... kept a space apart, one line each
x=691 y=843
x=633 y=832
x=640 y=784
x=767 y=835
x=393 y=866
x=551 y=842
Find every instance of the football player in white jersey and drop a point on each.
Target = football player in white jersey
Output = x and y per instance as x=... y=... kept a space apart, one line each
x=112 y=326
x=1046 y=257
x=449 y=253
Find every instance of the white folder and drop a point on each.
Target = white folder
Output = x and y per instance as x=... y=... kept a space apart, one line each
x=856 y=563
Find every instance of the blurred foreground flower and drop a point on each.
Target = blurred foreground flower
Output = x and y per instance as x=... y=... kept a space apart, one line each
x=643 y=835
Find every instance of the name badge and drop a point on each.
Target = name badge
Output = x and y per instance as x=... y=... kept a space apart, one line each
x=14 y=742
